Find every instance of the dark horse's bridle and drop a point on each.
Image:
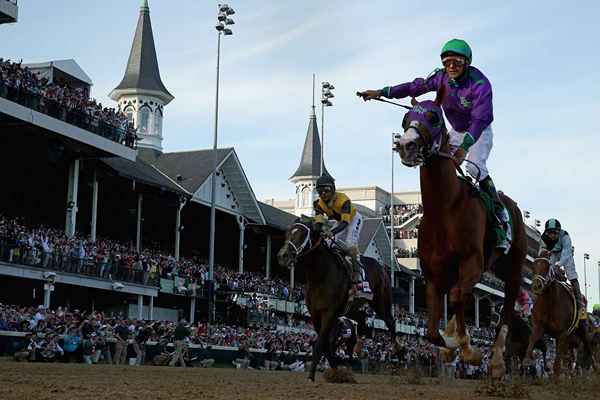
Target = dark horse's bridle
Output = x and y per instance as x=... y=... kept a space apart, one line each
x=543 y=281
x=300 y=250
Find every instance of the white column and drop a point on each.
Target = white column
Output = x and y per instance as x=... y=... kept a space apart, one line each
x=177 y=231
x=411 y=294
x=71 y=216
x=268 y=257
x=476 y=297
x=48 y=287
x=445 y=311
x=242 y=226
x=140 y=306
x=192 y=310
x=94 y=207
x=151 y=309
x=292 y=273
x=138 y=235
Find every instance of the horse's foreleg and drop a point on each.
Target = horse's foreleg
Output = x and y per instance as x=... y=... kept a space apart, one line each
x=434 y=309
x=460 y=296
x=536 y=334
x=316 y=357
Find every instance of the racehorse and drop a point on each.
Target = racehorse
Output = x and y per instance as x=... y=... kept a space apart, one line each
x=327 y=283
x=456 y=240
x=516 y=348
x=555 y=312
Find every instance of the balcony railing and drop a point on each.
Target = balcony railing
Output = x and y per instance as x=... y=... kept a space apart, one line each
x=74 y=117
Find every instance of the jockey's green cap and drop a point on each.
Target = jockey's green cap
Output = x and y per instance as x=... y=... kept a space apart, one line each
x=458 y=46
x=596 y=307
x=552 y=223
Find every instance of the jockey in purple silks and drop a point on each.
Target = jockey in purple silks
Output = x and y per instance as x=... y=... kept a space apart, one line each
x=467 y=105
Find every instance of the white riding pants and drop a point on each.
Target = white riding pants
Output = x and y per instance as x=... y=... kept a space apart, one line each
x=478 y=153
x=351 y=234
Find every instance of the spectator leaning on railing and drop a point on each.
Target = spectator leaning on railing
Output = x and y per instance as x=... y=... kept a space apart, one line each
x=73 y=105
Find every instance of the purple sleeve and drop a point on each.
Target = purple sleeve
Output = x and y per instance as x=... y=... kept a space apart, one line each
x=482 y=111
x=415 y=88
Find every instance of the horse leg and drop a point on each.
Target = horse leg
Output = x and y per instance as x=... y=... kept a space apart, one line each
x=434 y=309
x=382 y=306
x=469 y=275
x=536 y=334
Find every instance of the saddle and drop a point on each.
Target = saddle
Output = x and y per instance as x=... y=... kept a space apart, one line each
x=578 y=314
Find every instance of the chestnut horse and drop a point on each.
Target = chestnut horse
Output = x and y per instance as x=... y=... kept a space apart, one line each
x=555 y=313
x=456 y=241
x=327 y=285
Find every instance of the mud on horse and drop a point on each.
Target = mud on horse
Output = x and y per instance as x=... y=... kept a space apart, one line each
x=555 y=312
x=327 y=284
x=456 y=242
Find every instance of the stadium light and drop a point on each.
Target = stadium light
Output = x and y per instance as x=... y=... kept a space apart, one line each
x=586 y=256
x=223 y=20
x=326 y=96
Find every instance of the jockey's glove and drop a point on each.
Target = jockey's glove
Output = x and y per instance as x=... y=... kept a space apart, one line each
x=467 y=142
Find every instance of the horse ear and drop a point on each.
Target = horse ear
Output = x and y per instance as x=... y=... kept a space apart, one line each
x=439 y=97
x=413 y=101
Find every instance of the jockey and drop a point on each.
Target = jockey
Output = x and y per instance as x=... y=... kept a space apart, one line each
x=467 y=105
x=556 y=244
x=337 y=205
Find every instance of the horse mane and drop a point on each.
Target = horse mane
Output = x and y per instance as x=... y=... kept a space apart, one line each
x=440 y=95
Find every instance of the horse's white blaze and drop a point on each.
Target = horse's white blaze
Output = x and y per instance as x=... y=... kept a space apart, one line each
x=410 y=135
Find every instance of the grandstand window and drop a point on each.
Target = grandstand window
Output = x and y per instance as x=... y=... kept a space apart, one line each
x=144 y=120
x=157 y=122
x=305 y=195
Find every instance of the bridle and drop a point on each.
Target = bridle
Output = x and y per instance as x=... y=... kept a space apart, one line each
x=542 y=280
x=299 y=250
x=428 y=150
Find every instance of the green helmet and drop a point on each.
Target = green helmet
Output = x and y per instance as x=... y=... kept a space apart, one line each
x=326 y=181
x=596 y=308
x=552 y=223
x=458 y=46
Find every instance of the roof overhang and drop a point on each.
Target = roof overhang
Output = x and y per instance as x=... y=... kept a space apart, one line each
x=116 y=94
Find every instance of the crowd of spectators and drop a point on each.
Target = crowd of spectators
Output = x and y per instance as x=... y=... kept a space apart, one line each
x=91 y=337
x=60 y=100
x=107 y=259
x=402 y=213
x=406 y=253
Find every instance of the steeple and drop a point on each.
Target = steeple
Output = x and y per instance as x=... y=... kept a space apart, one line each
x=142 y=74
x=141 y=95
x=305 y=177
x=310 y=161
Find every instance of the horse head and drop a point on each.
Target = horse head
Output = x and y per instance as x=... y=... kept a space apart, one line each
x=299 y=239
x=542 y=275
x=424 y=132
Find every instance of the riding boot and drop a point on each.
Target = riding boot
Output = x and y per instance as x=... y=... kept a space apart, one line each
x=502 y=218
x=577 y=293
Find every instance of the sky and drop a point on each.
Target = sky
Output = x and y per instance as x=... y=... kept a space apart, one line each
x=541 y=57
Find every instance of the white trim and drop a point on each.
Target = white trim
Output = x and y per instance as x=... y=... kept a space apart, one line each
x=67 y=130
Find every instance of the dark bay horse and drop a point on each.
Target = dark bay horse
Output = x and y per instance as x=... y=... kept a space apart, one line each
x=456 y=242
x=555 y=313
x=327 y=284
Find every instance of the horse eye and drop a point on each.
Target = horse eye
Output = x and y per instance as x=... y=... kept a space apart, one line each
x=432 y=117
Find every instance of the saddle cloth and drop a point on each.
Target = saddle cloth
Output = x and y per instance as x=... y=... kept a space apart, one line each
x=490 y=212
x=578 y=315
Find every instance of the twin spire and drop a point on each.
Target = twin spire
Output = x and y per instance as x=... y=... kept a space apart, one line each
x=142 y=75
x=310 y=161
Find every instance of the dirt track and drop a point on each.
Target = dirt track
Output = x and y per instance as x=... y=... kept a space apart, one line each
x=77 y=381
